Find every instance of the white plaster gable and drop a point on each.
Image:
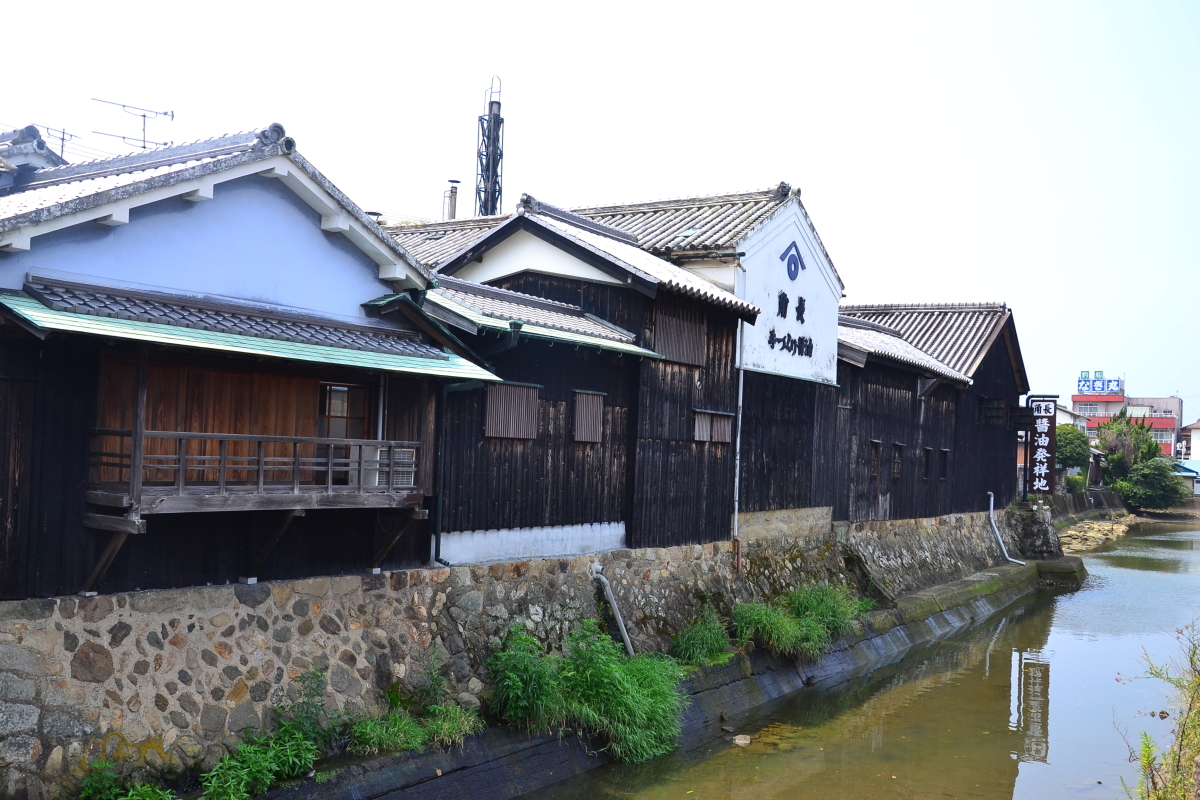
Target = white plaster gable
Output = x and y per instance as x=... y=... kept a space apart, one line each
x=524 y=252
x=294 y=173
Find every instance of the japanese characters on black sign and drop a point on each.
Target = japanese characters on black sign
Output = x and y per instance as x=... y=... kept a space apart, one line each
x=1043 y=445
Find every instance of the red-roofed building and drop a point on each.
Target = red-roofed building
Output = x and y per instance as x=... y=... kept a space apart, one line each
x=1100 y=400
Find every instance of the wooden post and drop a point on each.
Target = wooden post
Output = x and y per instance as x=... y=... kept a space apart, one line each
x=224 y=450
x=261 y=464
x=138 y=445
x=296 y=468
x=269 y=545
x=180 y=477
x=328 y=468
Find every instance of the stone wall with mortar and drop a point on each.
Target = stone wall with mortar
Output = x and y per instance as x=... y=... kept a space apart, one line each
x=166 y=681
x=795 y=522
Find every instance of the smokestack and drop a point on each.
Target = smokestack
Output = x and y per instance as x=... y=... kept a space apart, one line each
x=450 y=201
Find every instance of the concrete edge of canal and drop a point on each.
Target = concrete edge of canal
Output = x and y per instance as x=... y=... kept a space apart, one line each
x=503 y=762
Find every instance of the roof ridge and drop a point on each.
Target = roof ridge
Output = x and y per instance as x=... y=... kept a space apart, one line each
x=531 y=205
x=852 y=307
x=447 y=224
x=854 y=322
x=713 y=199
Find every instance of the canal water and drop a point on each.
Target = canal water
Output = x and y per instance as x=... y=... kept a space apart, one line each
x=1030 y=704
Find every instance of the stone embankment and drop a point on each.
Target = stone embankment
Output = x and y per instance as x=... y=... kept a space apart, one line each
x=1088 y=535
x=165 y=681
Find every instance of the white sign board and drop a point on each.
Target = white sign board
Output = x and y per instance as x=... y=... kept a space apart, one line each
x=788 y=277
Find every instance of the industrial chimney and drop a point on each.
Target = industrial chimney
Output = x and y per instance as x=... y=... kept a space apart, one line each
x=491 y=150
x=450 y=201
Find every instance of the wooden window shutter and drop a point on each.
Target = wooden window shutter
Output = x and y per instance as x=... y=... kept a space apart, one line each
x=512 y=411
x=589 y=416
x=713 y=427
x=680 y=340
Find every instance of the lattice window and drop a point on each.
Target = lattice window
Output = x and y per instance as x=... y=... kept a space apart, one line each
x=876 y=456
x=990 y=412
x=945 y=467
x=897 y=461
x=512 y=411
x=679 y=340
x=589 y=416
x=713 y=426
x=926 y=463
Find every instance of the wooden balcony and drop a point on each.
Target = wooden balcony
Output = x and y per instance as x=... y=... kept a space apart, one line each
x=173 y=472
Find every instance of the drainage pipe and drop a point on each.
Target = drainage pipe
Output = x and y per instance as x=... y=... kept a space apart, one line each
x=612 y=603
x=992 y=519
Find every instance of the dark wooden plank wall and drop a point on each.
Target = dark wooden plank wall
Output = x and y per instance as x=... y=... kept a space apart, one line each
x=987 y=453
x=550 y=479
x=778 y=454
x=50 y=391
x=683 y=489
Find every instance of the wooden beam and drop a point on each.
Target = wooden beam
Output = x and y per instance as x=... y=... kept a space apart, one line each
x=273 y=540
x=103 y=522
x=114 y=499
x=194 y=503
x=106 y=559
x=400 y=529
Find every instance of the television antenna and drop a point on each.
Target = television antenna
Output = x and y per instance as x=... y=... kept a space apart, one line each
x=62 y=136
x=145 y=114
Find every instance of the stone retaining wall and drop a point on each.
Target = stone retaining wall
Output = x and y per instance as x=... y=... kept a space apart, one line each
x=168 y=680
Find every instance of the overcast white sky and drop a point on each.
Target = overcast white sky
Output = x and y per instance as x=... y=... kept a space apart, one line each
x=1044 y=154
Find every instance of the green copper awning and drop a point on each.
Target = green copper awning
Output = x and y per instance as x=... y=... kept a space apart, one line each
x=33 y=314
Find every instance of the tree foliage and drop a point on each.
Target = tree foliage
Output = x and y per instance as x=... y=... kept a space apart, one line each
x=1073 y=447
x=1126 y=443
x=1152 y=484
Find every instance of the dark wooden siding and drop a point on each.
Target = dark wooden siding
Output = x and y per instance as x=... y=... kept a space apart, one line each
x=985 y=456
x=778 y=425
x=622 y=307
x=550 y=479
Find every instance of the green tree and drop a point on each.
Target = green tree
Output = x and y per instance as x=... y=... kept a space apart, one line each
x=1152 y=484
x=1073 y=448
x=1126 y=442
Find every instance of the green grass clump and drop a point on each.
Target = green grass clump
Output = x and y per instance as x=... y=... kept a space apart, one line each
x=834 y=607
x=528 y=686
x=703 y=642
x=779 y=631
x=100 y=782
x=450 y=725
x=634 y=703
x=390 y=733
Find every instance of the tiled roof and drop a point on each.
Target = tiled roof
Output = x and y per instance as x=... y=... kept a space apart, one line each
x=435 y=242
x=883 y=342
x=632 y=257
x=473 y=306
x=186 y=313
x=504 y=305
x=694 y=223
x=958 y=335
x=686 y=224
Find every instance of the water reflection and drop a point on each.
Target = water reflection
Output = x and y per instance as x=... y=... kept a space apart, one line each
x=974 y=716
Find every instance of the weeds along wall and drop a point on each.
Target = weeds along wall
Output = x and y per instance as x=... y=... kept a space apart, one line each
x=168 y=680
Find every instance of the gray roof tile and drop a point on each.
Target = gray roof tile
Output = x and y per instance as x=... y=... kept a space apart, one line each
x=956 y=334
x=244 y=321
x=887 y=343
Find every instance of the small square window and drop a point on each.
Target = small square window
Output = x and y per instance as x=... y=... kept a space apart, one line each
x=512 y=411
x=876 y=454
x=589 y=416
x=897 y=460
x=713 y=427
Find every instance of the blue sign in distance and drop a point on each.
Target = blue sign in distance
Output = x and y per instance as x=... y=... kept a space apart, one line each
x=795 y=261
x=1113 y=385
x=1085 y=375
x=1085 y=385
x=1098 y=375
x=1097 y=386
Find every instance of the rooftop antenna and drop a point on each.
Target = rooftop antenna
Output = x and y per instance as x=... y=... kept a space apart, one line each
x=450 y=200
x=145 y=114
x=488 y=191
x=62 y=136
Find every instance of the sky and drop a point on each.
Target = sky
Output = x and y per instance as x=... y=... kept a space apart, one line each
x=1043 y=154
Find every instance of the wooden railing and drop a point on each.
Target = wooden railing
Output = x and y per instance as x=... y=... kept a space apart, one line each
x=182 y=463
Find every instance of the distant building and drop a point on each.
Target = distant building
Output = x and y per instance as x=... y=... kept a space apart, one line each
x=1192 y=440
x=1100 y=399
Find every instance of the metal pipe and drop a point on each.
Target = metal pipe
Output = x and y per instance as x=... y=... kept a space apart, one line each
x=992 y=519
x=737 y=453
x=612 y=603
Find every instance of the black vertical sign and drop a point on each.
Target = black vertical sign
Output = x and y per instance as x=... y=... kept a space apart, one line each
x=1042 y=445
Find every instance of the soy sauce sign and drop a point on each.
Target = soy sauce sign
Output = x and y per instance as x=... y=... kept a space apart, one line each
x=1045 y=446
